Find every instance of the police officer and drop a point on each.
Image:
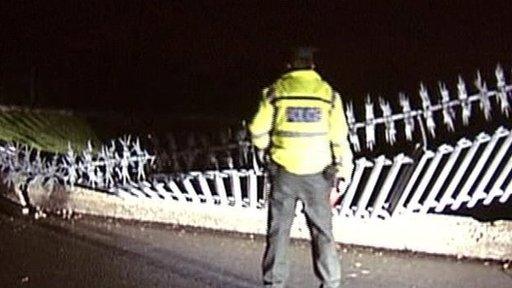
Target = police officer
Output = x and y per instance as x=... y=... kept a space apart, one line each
x=301 y=125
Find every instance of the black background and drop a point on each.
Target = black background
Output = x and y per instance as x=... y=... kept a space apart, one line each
x=213 y=57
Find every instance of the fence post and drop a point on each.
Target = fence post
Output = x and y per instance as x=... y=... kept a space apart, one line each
x=430 y=201
x=361 y=164
x=203 y=183
x=252 y=188
x=362 y=209
x=447 y=196
x=496 y=188
x=176 y=190
x=236 y=188
x=463 y=194
x=400 y=206
x=220 y=188
x=414 y=203
x=480 y=193
x=378 y=206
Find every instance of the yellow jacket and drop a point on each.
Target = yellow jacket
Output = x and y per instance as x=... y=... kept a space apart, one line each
x=302 y=122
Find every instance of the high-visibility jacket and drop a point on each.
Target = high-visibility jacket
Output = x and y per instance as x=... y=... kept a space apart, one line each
x=301 y=121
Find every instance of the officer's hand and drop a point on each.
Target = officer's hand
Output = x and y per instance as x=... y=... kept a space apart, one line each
x=267 y=163
x=334 y=196
x=337 y=192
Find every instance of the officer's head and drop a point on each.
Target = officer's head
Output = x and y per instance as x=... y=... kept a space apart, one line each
x=302 y=58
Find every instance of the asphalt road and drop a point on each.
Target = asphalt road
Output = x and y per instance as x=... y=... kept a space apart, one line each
x=96 y=252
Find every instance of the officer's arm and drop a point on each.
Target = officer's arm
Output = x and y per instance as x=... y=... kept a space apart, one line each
x=339 y=139
x=262 y=122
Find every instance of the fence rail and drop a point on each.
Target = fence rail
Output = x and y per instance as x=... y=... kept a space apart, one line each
x=425 y=114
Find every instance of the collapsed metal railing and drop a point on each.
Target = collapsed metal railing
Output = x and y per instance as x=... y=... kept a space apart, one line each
x=201 y=149
x=117 y=164
x=428 y=180
x=470 y=173
x=447 y=177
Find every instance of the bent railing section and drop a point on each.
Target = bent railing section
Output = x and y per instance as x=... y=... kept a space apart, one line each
x=445 y=179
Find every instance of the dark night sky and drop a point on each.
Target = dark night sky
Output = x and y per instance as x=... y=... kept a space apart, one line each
x=214 y=56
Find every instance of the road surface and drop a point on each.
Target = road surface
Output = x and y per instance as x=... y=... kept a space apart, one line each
x=97 y=252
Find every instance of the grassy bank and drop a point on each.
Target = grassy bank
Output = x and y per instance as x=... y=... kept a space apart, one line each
x=44 y=129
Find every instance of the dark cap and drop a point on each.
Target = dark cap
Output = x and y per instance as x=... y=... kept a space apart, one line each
x=302 y=57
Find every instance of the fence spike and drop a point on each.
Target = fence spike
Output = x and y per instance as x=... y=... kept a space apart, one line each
x=109 y=167
x=494 y=161
x=502 y=91
x=448 y=113
x=352 y=132
x=427 y=111
x=362 y=203
x=464 y=101
x=370 y=123
x=485 y=104
x=408 y=118
x=388 y=121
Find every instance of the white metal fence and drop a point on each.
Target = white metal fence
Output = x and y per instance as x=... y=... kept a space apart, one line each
x=452 y=177
x=474 y=171
x=427 y=114
x=122 y=161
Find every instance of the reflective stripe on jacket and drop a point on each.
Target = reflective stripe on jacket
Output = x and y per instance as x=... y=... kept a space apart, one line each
x=301 y=119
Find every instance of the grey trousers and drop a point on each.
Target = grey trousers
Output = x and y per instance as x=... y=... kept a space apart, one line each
x=313 y=190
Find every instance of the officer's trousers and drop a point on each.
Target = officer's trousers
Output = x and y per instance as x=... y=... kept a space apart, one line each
x=313 y=190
